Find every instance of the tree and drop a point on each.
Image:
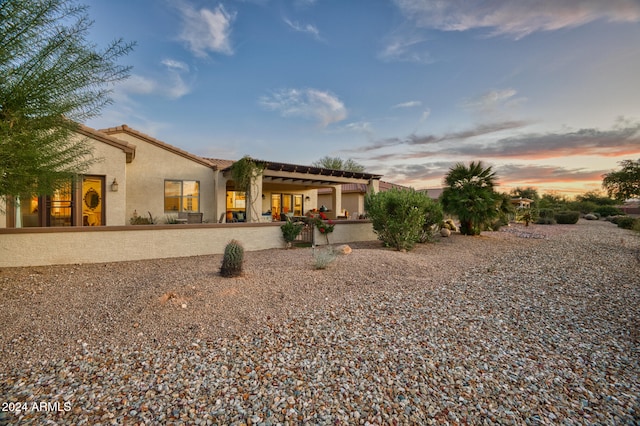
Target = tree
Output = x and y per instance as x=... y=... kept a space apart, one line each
x=554 y=201
x=51 y=79
x=336 y=163
x=470 y=196
x=596 y=197
x=624 y=183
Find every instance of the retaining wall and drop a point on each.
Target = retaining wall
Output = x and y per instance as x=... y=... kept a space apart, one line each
x=53 y=246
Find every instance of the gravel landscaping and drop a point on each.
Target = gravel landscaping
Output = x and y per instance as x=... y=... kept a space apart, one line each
x=535 y=325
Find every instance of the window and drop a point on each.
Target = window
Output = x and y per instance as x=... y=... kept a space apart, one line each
x=181 y=196
x=79 y=202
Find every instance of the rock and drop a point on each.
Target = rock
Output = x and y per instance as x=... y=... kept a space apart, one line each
x=591 y=216
x=343 y=249
x=445 y=232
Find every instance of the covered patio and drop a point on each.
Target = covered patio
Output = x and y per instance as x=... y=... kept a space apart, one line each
x=285 y=190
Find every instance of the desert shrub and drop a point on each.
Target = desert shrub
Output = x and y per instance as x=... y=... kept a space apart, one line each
x=546 y=217
x=398 y=216
x=433 y=216
x=290 y=231
x=141 y=220
x=322 y=258
x=583 y=207
x=614 y=219
x=605 y=211
x=626 y=222
x=232 y=259
x=567 y=217
x=546 y=213
x=545 y=221
x=171 y=219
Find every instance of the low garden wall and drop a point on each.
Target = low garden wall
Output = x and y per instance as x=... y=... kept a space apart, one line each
x=53 y=246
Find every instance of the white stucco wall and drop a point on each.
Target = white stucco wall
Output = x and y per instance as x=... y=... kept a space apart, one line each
x=112 y=164
x=148 y=171
x=51 y=246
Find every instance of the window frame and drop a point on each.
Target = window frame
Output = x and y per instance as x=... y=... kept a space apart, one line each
x=183 y=200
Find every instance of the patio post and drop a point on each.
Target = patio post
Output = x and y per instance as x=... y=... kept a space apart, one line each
x=254 y=199
x=336 y=201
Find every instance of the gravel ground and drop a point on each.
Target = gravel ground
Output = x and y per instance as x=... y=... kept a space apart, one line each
x=537 y=325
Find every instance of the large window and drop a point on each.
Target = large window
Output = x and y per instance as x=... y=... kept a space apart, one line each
x=79 y=202
x=181 y=196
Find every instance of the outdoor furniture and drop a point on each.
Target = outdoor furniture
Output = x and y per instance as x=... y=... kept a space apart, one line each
x=193 y=217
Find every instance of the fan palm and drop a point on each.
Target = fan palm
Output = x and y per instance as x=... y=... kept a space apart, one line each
x=469 y=195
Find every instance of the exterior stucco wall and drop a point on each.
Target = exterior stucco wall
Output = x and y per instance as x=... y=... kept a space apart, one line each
x=112 y=165
x=147 y=173
x=51 y=246
x=351 y=201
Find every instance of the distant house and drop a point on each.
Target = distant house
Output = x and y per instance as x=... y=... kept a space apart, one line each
x=141 y=175
x=521 y=203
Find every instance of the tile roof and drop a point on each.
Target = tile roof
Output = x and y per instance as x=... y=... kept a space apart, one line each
x=128 y=148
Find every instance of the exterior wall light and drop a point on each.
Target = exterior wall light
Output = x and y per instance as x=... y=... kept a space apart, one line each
x=114 y=185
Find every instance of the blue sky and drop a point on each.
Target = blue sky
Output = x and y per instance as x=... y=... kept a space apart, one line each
x=545 y=91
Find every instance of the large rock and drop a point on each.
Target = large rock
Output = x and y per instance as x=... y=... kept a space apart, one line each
x=445 y=232
x=343 y=249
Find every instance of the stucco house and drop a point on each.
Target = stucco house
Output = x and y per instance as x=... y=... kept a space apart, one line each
x=141 y=175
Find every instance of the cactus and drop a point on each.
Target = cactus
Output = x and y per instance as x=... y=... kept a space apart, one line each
x=232 y=259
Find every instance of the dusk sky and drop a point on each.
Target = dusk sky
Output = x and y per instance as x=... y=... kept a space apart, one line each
x=546 y=91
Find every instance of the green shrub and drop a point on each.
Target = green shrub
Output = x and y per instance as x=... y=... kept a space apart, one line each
x=398 y=216
x=626 y=222
x=605 y=211
x=322 y=258
x=546 y=213
x=583 y=207
x=432 y=217
x=567 y=217
x=545 y=221
x=615 y=219
x=290 y=231
x=232 y=260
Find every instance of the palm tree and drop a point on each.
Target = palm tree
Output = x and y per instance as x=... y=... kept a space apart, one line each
x=469 y=195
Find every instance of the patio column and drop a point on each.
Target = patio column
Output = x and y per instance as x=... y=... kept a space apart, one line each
x=220 y=198
x=254 y=200
x=336 y=201
x=373 y=186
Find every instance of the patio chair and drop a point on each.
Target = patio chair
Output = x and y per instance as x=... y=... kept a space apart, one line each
x=194 y=217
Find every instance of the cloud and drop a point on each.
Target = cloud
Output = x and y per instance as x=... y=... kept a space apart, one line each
x=493 y=99
x=461 y=136
x=617 y=142
x=405 y=49
x=425 y=114
x=622 y=140
x=544 y=177
x=169 y=84
x=516 y=18
x=307 y=103
x=307 y=29
x=410 y=104
x=522 y=174
x=206 y=30
x=178 y=87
